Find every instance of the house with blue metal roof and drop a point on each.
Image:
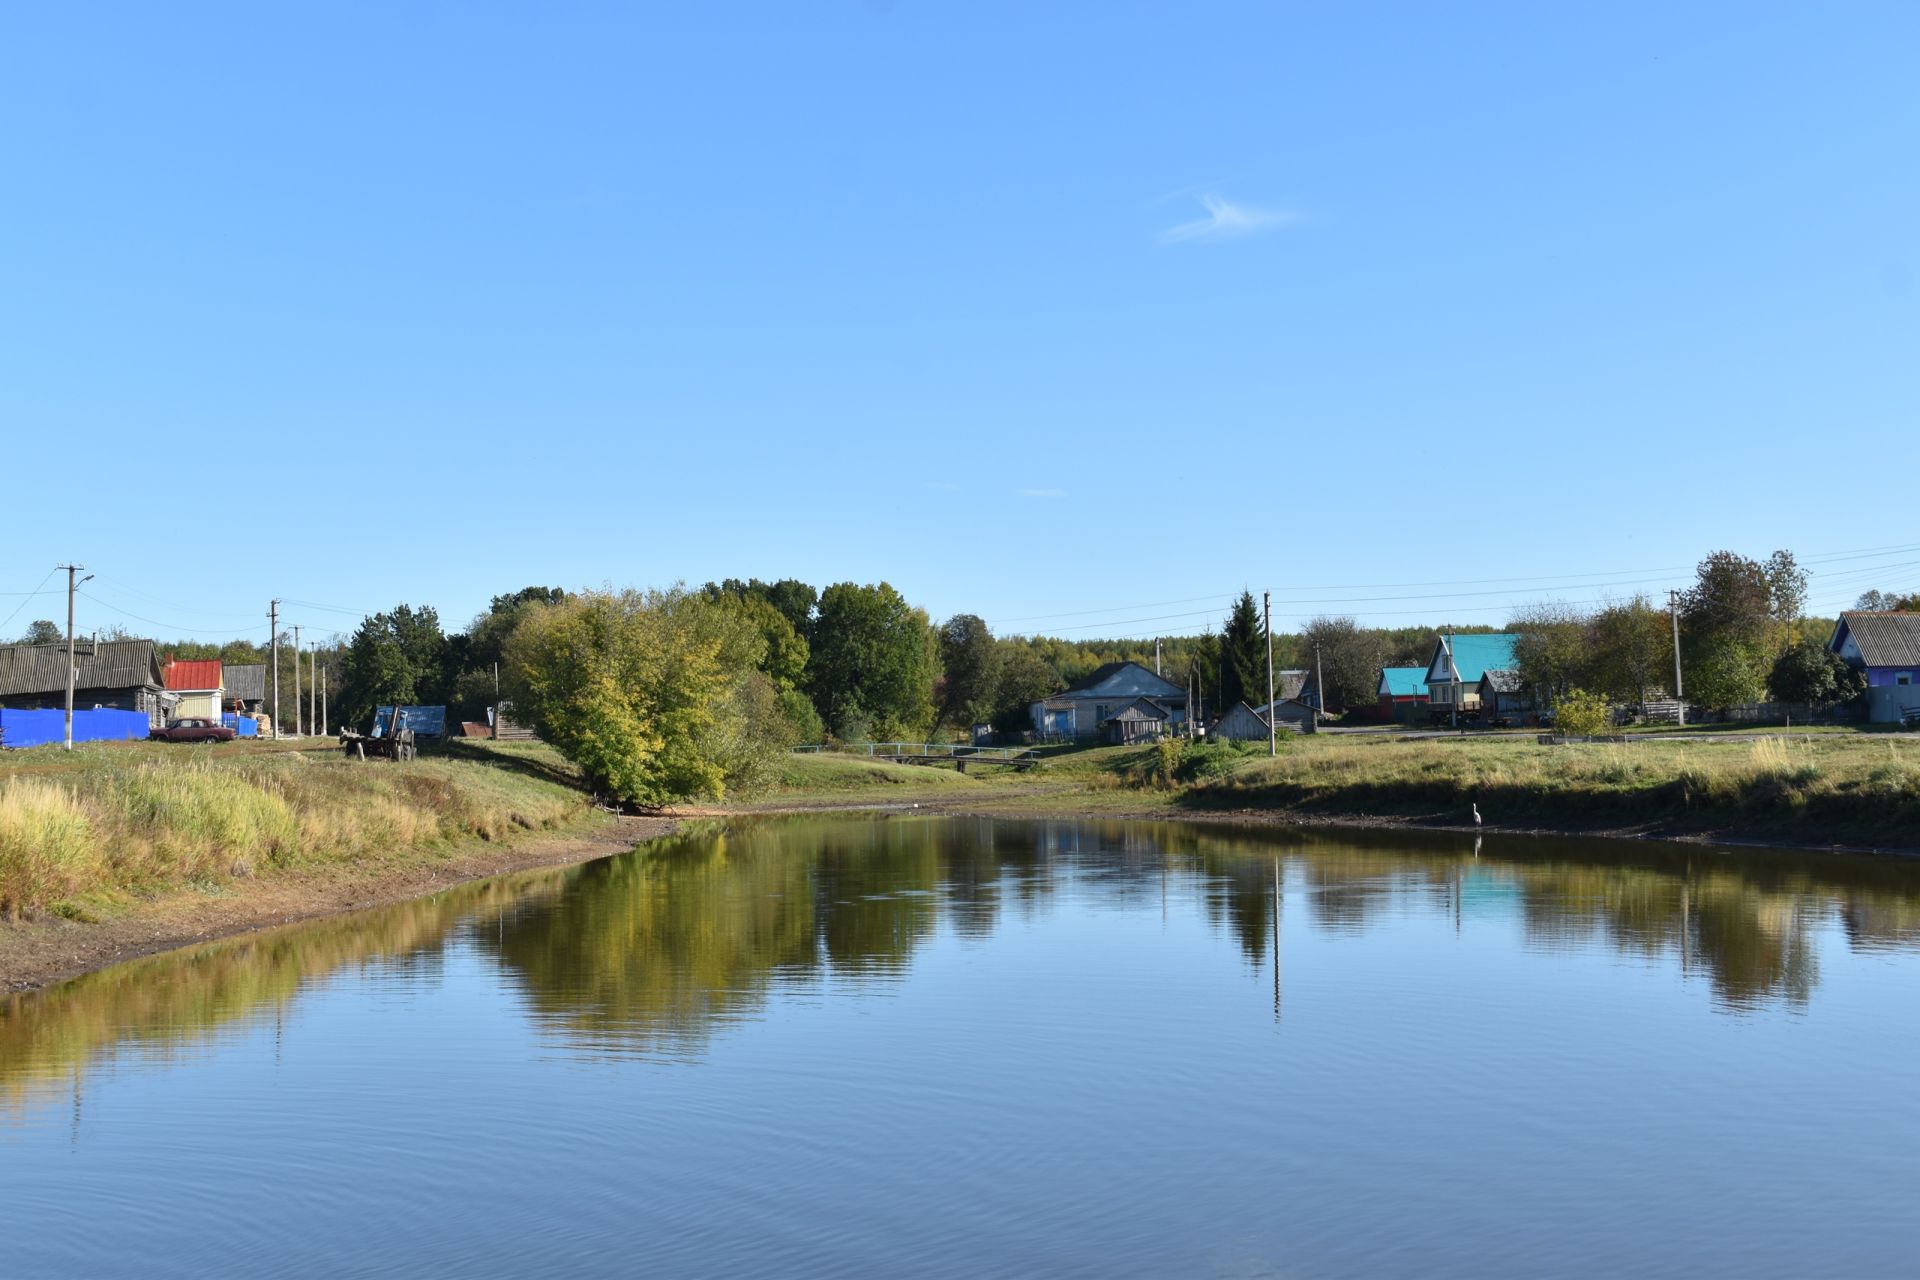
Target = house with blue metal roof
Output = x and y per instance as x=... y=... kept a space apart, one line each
x=1403 y=693
x=1458 y=662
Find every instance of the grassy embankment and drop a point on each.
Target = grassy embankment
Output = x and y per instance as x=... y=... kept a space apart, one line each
x=90 y=833
x=1816 y=790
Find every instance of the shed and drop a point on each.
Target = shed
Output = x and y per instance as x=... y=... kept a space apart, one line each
x=1292 y=713
x=1886 y=646
x=1503 y=697
x=117 y=675
x=247 y=685
x=1139 y=721
x=1241 y=724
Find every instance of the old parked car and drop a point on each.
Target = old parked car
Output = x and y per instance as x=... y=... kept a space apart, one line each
x=193 y=731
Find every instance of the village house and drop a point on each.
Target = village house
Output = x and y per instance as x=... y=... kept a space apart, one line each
x=1141 y=720
x=195 y=689
x=1458 y=662
x=246 y=687
x=120 y=675
x=1082 y=709
x=1887 y=647
x=1504 y=699
x=1403 y=693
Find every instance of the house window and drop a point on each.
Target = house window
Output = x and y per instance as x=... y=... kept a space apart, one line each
x=1099 y=711
x=1905 y=677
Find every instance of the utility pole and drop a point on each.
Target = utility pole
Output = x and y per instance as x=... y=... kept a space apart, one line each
x=1679 y=694
x=313 y=689
x=1156 y=655
x=296 y=680
x=1273 y=717
x=1453 y=684
x=72 y=586
x=1319 y=685
x=273 y=647
x=323 y=702
x=496 y=701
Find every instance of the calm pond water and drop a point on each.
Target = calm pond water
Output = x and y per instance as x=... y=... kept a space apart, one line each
x=898 y=1045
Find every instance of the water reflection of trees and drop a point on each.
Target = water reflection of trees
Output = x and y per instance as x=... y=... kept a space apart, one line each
x=652 y=952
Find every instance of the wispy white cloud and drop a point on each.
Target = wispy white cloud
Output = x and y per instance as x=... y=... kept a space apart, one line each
x=1226 y=220
x=1041 y=493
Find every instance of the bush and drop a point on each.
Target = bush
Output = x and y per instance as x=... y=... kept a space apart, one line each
x=1579 y=714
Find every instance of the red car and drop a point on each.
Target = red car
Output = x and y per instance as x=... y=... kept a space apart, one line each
x=194 y=731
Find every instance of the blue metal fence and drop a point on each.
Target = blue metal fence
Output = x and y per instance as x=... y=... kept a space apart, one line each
x=39 y=728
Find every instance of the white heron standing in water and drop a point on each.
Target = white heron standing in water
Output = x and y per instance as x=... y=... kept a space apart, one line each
x=1476 y=814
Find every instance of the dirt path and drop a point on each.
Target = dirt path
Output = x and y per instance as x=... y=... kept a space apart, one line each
x=40 y=952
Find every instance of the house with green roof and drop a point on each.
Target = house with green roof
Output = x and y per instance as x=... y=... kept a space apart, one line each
x=1458 y=662
x=1403 y=693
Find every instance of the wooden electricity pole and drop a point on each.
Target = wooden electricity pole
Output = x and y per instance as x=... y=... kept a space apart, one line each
x=1679 y=693
x=273 y=648
x=1273 y=716
x=313 y=689
x=72 y=586
x=296 y=680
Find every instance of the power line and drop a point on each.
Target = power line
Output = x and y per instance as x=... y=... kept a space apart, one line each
x=28 y=595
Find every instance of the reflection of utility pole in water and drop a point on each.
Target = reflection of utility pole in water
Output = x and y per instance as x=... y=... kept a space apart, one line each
x=1278 y=903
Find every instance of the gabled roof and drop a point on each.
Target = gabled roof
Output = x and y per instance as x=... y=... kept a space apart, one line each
x=200 y=673
x=1149 y=683
x=247 y=681
x=1474 y=655
x=1403 y=682
x=1502 y=681
x=1884 y=639
x=1139 y=709
x=107 y=664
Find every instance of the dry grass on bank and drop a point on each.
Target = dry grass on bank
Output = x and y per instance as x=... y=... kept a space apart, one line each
x=79 y=830
x=1858 y=787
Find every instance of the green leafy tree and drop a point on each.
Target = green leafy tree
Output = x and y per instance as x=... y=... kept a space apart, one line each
x=1350 y=658
x=657 y=696
x=1725 y=672
x=970 y=662
x=874 y=657
x=1555 y=651
x=1632 y=650
x=43 y=631
x=1888 y=602
x=1025 y=678
x=1809 y=672
x=393 y=658
x=1243 y=655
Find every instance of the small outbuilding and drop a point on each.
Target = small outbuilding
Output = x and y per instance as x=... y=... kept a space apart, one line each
x=1241 y=724
x=1139 y=721
x=1504 y=699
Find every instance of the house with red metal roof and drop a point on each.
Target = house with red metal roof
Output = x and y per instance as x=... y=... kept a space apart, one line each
x=195 y=688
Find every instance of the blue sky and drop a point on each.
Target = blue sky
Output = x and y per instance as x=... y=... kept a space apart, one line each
x=1075 y=316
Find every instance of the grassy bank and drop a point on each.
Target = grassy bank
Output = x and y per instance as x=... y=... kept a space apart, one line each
x=87 y=833
x=1817 y=790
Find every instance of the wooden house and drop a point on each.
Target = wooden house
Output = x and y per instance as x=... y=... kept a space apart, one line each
x=1141 y=720
x=1504 y=699
x=1243 y=723
x=1886 y=646
x=1458 y=662
x=1402 y=694
x=246 y=686
x=195 y=689
x=1082 y=709
x=120 y=675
